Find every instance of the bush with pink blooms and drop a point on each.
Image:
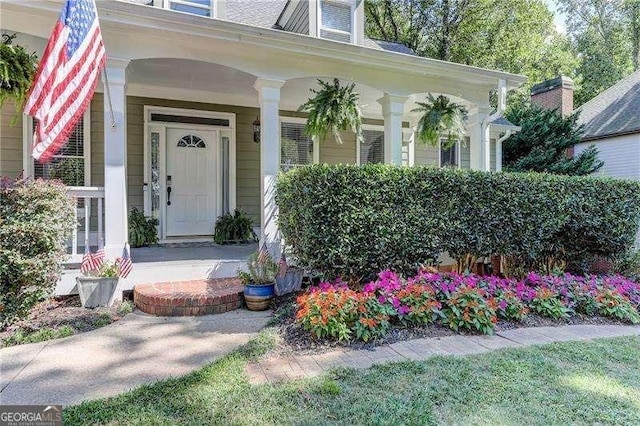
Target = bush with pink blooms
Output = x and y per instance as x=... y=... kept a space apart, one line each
x=461 y=302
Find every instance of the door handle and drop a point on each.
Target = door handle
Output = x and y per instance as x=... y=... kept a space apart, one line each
x=168 y=195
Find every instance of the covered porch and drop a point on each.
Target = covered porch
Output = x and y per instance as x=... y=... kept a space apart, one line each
x=175 y=135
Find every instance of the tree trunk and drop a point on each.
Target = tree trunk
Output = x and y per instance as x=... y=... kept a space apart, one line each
x=445 y=42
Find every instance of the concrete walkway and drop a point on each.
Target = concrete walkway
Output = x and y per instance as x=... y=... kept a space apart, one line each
x=298 y=366
x=137 y=350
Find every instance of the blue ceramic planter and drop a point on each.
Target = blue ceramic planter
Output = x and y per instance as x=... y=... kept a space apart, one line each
x=258 y=296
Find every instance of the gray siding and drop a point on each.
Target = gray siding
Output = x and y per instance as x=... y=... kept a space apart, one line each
x=492 y=164
x=10 y=141
x=299 y=21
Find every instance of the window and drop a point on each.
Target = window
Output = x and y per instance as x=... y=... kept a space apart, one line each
x=336 y=20
x=372 y=147
x=195 y=7
x=296 y=148
x=70 y=165
x=191 y=141
x=449 y=157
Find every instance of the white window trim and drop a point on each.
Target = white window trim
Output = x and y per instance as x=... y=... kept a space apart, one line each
x=297 y=120
x=27 y=146
x=321 y=28
x=458 y=153
x=166 y=4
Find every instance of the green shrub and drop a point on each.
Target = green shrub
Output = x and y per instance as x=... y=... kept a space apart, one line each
x=547 y=303
x=142 y=229
x=470 y=309
x=628 y=265
x=351 y=221
x=36 y=219
x=610 y=303
x=234 y=228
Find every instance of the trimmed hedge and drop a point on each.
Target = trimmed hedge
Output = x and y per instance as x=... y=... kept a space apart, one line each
x=351 y=221
x=36 y=218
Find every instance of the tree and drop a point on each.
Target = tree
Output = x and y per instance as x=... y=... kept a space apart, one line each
x=605 y=34
x=542 y=144
x=512 y=35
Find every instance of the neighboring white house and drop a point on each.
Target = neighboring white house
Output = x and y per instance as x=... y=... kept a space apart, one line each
x=612 y=124
x=192 y=80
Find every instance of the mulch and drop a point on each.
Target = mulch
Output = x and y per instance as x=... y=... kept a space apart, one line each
x=293 y=339
x=60 y=311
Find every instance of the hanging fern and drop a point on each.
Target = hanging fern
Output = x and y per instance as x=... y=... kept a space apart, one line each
x=334 y=108
x=17 y=68
x=441 y=118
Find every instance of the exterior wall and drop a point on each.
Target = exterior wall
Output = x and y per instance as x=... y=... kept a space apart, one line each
x=426 y=155
x=333 y=153
x=465 y=154
x=492 y=154
x=621 y=156
x=299 y=21
x=10 y=141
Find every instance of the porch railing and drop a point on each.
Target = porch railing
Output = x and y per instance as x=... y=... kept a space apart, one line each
x=90 y=228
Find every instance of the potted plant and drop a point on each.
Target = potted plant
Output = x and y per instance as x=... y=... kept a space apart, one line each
x=234 y=228
x=97 y=287
x=334 y=108
x=259 y=280
x=289 y=278
x=440 y=118
x=17 y=68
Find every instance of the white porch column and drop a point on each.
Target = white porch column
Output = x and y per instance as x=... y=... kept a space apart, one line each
x=477 y=136
x=392 y=112
x=269 y=98
x=115 y=159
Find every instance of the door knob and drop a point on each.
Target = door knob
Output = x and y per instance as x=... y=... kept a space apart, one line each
x=168 y=195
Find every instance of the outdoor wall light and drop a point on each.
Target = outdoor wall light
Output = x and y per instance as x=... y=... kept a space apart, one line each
x=256 y=130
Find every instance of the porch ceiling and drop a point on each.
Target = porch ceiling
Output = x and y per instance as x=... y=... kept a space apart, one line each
x=214 y=83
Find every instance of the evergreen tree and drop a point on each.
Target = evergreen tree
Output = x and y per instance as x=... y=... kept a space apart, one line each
x=543 y=143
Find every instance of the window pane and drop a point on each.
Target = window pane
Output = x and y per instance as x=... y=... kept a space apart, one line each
x=372 y=148
x=336 y=15
x=168 y=118
x=194 y=9
x=449 y=157
x=68 y=170
x=155 y=174
x=67 y=165
x=296 y=148
x=225 y=173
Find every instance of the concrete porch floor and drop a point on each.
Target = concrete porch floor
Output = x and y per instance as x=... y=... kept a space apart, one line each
x=195 y=251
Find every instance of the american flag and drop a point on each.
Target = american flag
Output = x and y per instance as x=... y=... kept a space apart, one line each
x=282 y=266
x=98 y=258
x=263 y=254
x=124 y=263
x=66 y=77
x=87 y=261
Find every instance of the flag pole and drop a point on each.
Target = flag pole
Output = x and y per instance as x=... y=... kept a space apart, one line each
x=107 y=91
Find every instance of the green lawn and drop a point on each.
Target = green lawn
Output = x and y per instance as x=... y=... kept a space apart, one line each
x=582 y=382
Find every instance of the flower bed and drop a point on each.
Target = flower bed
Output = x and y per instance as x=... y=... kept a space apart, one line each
x=461 y=302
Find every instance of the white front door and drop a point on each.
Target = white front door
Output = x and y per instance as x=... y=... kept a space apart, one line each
x=191 y=175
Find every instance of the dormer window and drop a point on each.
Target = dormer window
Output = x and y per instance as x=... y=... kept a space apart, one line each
x=195 y=7
x=336 y=19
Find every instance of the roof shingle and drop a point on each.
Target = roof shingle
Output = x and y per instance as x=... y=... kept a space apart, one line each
x=614 y=111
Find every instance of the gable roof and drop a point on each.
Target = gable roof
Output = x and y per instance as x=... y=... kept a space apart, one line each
x=614 y=111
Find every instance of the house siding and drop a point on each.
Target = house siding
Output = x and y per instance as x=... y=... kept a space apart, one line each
x=10 y=141
x=426 y=155
x=621 y=156
x=299 y=21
